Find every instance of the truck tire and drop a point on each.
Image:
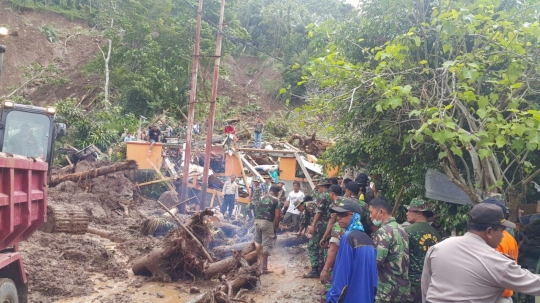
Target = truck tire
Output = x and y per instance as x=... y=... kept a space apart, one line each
x=8 y=291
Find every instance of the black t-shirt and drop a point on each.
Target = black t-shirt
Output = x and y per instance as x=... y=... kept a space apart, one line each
x=154 y=134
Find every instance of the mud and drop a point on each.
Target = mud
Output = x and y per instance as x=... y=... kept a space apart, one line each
x=61 y=265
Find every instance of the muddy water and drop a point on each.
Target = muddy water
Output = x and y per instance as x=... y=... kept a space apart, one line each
x=284 y=285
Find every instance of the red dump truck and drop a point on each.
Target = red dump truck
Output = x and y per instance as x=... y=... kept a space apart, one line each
x=27 y=136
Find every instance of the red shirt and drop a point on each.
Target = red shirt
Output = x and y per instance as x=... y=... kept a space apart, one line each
x=229 y=129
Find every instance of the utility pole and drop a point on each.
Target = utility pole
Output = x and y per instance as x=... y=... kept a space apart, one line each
x=211 y=115
x=192 y=100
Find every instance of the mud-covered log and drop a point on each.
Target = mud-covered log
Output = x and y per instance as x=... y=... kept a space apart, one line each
x=93 y=173
x=225 y=251
x=250 y=253
x=291 y=241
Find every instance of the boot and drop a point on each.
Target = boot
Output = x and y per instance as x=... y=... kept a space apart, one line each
x=313 y=274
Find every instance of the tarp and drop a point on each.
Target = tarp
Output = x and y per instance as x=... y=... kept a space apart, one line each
x=439 y=187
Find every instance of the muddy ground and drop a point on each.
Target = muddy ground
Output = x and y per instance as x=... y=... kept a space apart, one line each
x=88 y=268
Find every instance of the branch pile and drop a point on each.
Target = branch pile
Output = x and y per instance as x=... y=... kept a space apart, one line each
x=310 y=144
x=179 y=257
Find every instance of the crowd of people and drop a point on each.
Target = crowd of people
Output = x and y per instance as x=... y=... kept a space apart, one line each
x=362 y=254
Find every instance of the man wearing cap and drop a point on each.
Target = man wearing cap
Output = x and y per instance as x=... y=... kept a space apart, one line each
x=254 y=196
x=332 y=228
x=507 y=247
x=267 y=215
x=267 y=184
x=469 y=269
x=315 y=191
x=392 y=245
x=421 y=237
x=355 y=270
x=317 y=229
x=307 y=208
x=292 y=215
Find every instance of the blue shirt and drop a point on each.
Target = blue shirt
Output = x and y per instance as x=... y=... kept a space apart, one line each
x=355 y=270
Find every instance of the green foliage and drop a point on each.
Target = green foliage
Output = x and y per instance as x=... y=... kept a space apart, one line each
x=100 y=127
x=50 y=33
x=450 y=82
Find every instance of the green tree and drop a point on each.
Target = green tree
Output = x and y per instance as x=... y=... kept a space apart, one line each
x=460 y=84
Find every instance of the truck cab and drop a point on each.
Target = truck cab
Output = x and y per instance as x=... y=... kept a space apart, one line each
x=29 y=131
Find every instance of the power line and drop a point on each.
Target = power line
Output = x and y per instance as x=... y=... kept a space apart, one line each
x=230 y=38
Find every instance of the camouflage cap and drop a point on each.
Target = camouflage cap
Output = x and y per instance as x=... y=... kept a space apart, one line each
x=257 y=179
x=306 y=199
x=325 y=182
x=317 y=178
x=418 y=205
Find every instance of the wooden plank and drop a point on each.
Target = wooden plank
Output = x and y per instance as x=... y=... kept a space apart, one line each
x=167 y=182
x=170 y=167
x=249 y=166
x=240 y=157
x=306 y=173
x=69 y=161
x=212 y=200
x=268 y=151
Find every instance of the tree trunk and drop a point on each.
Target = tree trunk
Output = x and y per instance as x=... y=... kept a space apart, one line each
x=250 y=253
x=105 y=170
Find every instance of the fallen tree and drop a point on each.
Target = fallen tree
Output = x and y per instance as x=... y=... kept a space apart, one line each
x=228 y=250
x=310 y=144
x=93 y=173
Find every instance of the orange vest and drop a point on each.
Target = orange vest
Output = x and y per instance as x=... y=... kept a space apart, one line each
x=508 y=247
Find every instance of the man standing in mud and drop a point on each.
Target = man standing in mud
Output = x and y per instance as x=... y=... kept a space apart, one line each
x=421 y=237
x=230 y=195
x=392 y=245
x=267 y=216
x=255 y=196
x=317 y=229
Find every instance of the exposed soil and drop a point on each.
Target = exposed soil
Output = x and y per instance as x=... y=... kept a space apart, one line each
x=75 y=47
x=87 y=268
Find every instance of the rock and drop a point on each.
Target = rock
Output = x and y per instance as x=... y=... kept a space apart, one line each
x=194 y=290
x=138 y=285
x=160 y=295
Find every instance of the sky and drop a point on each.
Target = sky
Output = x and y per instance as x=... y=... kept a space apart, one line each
x=353 y=2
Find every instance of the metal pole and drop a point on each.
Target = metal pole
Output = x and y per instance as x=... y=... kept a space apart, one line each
x=211 y=115
x=192 y=100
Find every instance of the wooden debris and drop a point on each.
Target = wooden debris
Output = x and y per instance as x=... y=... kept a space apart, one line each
x=93 y=173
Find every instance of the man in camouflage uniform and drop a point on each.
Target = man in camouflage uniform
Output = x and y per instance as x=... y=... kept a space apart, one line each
x=267 y=215
x=307 y=208
x=392 y=245
x=421 y=237
x=255 y=196
x=317 y=229
x=282 y=194
x=315 y=191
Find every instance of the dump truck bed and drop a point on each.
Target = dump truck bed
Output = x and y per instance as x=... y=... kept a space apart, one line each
x=23 y=196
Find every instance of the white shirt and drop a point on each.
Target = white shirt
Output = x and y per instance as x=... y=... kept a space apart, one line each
x=467 y=270
x=292 y=197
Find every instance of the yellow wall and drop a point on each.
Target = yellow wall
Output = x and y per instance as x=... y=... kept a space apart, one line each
x=287 y=169
x=232 y=166
x=138 y=151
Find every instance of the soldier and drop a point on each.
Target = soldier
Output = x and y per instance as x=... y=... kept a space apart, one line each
x=307 y=208
x=255 y=196
x=392 y=245
x=421 y=237
x=267 y=215
x=282 y=194
x=315 y=191
x=267 y=184
x=317 y=229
